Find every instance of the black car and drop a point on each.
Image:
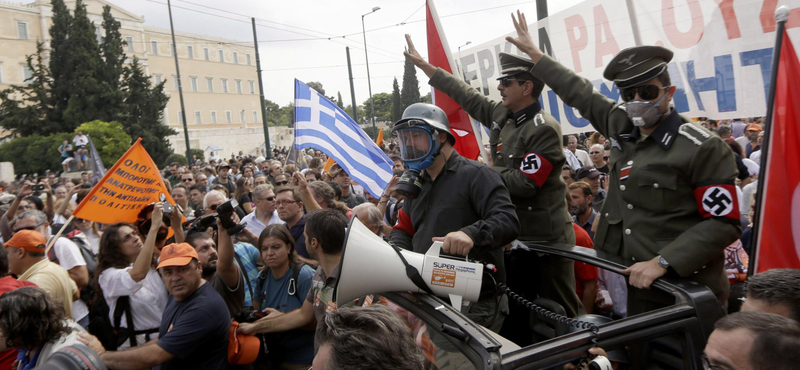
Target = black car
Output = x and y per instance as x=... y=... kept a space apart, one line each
x=670 y=338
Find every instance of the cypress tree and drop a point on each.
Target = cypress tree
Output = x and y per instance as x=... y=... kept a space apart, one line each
x=410 y=93
x=59 y=52
x=143 y=108
x=339 y=101
x=397 y=104
x=33 y=113
x=84 y=66
x=111 y=71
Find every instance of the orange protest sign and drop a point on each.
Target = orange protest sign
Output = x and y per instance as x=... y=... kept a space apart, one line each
x=130 y=185
x=328 y=164
x=379 y=139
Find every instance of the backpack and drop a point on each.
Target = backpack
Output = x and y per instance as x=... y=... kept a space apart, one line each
x=87 y=293
x=111 y=335
x=262 y=279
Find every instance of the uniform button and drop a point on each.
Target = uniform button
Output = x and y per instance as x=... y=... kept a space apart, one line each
x=510 y=156
x=630 y=206
x=630 y=163
x=655 y=185
x=627 y=231
x=606 y=214
x=622 y=187
x=633 y=258
x=530 y=208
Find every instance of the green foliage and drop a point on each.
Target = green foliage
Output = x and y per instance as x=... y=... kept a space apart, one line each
x=141 y=116
x=316 y=86
x=339 y=101
x=34 y=153
x=383 y=107
x=111 y=49
x=59 y=53
x=175 y=157
x=397 y=104
x=197 y=152
x=410 y=92
x=84 y=66
x=426 y=99
x=109 y=138
x=32 y=114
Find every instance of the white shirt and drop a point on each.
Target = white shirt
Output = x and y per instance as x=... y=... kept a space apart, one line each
x=92 y=240
x=69 y=256
x=256 y=226
x=744 y=200
x=572 y=160
x=756 y=156
x=80 y=140
x=148 y=298
x=583 y=156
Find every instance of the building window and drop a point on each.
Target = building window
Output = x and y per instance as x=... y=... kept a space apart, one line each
x=213 y=116
x=224 y=85
x=206 y=54
x=228 y=118
x=1 y=73
x=190 y=50
x=129 y=42
x=255 y=116
x=198 y=119
x=210 y=84
x=236 y=57
x=252 y=86
x=180 y=117
x=154 y=47
x=248 y=58
x=238 y=86
x=171 y=49
x=221 y=56
x=98 y=34
x=241 y=116
x=164 y=116
x=26 y=74
x=158 y=79
x=194 y=83
x=175 y=83
x=22 y=30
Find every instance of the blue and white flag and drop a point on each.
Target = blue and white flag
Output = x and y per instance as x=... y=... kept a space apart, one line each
x=320 y=124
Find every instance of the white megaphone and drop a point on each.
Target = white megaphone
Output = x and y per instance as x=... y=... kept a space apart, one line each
x=369 y=265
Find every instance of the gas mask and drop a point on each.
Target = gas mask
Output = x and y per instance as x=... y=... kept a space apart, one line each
x=644 y=113
x=419 y=146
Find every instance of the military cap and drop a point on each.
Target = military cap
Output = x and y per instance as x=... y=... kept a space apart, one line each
x=638 y=64
x=512 y=64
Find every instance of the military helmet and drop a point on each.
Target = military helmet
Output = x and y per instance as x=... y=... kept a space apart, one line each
x=429 y=114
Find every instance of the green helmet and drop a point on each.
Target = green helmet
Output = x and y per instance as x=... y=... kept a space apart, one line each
x=428 y=113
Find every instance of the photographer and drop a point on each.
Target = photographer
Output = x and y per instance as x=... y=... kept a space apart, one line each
x=171 y=219
x=282 y=287
x=126 y=275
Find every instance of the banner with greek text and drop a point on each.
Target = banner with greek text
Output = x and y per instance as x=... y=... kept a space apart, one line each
x=130 y=185
x=722 y=63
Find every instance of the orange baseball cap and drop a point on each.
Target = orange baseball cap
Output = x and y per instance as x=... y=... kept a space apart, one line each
x=177 y=254
x=30 y=240
x=755 y=127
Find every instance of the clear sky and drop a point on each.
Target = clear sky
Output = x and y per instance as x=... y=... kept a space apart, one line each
x=293 y=35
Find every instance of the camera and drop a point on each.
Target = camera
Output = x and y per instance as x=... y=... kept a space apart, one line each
x=37 y=187
x=74 y=357
x=225 y=211
x=168 y=208
x=201 y=224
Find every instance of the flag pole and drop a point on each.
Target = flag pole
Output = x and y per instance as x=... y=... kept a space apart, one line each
x=781 y=16
x=58 y=234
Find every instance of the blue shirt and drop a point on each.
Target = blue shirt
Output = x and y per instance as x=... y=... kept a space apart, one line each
x=25 y=364
x=249 y=256
x=295 y=346
x=299 y=238
x=195 y=331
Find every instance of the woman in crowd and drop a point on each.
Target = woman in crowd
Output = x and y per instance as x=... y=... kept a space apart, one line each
x=243 y=194
x=248 y=171
x=126 y=268
x=282 y=287
x=91 y=231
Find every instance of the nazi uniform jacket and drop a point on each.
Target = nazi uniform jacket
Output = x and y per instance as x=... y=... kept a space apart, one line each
x=527 y=152
x=671 y=194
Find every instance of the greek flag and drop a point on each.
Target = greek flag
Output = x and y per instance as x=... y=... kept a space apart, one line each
x=320 y=124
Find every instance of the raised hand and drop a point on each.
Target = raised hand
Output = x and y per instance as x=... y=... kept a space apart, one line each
x=523 y=41
x=413 y=55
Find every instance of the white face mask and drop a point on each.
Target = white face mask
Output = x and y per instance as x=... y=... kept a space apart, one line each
x=644 y=113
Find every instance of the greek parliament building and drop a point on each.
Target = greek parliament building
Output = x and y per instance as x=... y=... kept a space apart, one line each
x=220 y=83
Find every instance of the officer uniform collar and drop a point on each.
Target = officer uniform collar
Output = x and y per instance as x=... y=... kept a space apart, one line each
x=526 y=113
x=664 y=134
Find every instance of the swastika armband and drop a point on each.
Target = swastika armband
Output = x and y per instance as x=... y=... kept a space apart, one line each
x=718 y=200
x=536 y=167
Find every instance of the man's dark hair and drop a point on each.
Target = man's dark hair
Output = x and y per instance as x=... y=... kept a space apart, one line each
x=776 y=342
x=328 y=227
x=664 y=79
x=571 y=172
x=199 y=187
x=3 y=261
x=373 y=337
x=337 y=190
x=587 y=189
x=776 y=286
x=192 y=238
x=29 y=318
x=723 y=130
x=295 y=193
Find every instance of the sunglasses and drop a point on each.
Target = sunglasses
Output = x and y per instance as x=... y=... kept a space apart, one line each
x=213 y=207
x=18 y=229
x=285 y=182
x=268 y=198
x=646 y=92
x=506 y=82
x=187 y=180
x=595 y=152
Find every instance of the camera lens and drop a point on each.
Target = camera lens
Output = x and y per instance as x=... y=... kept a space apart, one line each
x=74 y=357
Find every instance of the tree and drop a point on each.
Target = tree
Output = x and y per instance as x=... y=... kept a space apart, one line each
x=426 y=99
x=109 y=138
x=397 y=104
x=383 y=107
x=84 y=66
x=143 y=109
x=59 y=53
x=339 y=101
x=317 y=86
x=32 y=114
x=410 y=93
x=113 y=54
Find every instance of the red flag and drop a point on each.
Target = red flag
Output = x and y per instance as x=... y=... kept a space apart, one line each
x=779 y=222
x=439 y=55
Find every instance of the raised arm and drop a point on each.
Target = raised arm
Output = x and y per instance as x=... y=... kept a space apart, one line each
x=226 y=266
x=142 y=264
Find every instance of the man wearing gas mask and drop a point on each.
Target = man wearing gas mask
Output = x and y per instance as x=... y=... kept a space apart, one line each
x=526 y=147
x=451 y=199
x=671 y=206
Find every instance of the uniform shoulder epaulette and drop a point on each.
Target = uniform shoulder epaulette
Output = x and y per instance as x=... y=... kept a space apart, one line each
x=694 y=133
x=539 y=119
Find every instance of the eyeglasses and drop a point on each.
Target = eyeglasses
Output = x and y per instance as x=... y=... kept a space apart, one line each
x=18 y=229
x=506 y=81
x=280 y=183
x=707 y=364
x=605 y=157
x=213 y=207
x=284 y=202
x=646 y=92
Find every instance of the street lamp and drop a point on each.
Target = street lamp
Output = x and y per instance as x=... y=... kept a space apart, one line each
x=369 y=83
x=459 y=60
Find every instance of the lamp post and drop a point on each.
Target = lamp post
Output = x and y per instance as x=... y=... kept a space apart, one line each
x=369 y=83
x=460 y=71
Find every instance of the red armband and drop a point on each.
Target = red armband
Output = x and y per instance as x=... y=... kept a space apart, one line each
x=536 y=167
x=404 y=223
x=717 y=200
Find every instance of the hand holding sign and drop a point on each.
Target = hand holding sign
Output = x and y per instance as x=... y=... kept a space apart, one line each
x=524 y=42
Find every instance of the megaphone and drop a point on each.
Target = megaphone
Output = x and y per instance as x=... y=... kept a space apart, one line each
x=369 y=265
